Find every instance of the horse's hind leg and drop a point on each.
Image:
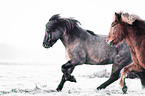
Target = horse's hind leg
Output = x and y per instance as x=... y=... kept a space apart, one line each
x=126 y=70
x=116 y=68
x=63 y=80
x=114 y=76
x=141 y=75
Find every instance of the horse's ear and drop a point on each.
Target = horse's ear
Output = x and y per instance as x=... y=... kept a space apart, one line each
x=117 y=16
x=54 y=17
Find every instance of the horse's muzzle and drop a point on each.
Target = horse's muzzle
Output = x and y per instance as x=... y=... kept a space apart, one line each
x=45 y=45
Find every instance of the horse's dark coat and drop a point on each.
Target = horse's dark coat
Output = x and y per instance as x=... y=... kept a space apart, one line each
x=85 y=47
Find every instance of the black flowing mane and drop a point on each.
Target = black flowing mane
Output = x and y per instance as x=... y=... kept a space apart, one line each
x=72 y=25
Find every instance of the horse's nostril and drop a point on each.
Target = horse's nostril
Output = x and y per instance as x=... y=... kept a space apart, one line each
x=44 y=45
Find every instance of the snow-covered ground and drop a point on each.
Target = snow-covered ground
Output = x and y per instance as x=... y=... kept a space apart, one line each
x=42 y=80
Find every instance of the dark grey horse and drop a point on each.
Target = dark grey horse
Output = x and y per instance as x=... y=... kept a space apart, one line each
x=85 y=47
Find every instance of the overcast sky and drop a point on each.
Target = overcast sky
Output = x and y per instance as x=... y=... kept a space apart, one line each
x=22 y=22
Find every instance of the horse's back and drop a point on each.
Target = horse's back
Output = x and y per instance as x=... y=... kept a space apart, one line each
x=99 y=52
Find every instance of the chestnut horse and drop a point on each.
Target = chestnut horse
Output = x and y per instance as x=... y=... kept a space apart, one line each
x=131 y=28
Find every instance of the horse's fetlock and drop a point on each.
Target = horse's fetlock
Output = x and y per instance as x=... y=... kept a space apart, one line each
x=124 y=89
x=125 y=69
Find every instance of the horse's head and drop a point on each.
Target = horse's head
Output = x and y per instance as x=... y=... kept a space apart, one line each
x=56 y=28
x=117 y=30
x=54 y=31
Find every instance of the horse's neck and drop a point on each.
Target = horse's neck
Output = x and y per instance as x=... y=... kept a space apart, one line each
x=133 y=42
x=68 y=40
x=64 y=40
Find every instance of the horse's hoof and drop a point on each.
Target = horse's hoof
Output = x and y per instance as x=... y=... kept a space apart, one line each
x=72 y=79
x=101 y=87
x=98 y=88
x=124 y=89
x=58 y=89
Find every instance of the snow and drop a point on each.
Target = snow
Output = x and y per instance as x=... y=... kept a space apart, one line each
x=27 y=69
x=42 y=80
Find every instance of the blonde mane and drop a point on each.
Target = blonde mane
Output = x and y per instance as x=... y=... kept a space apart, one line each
x=129 y=18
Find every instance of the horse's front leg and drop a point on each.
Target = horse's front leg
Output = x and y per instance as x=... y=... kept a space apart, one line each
x=67 y=69
x=60 y=86
x=126 y=70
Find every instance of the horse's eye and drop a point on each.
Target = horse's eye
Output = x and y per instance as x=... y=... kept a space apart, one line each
x=116 y=20
x=114 y=23
x=49 y=30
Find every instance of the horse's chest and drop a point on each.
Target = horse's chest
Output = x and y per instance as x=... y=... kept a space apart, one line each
x=67 y=55
x=75 y=53
x=71 y=54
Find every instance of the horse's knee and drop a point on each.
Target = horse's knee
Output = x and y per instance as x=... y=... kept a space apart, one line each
x=63 y=68
x=67 y=65
x=131 y=68
x=125 y=70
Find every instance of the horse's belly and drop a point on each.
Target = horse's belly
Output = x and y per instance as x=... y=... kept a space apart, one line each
x=98 y=60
